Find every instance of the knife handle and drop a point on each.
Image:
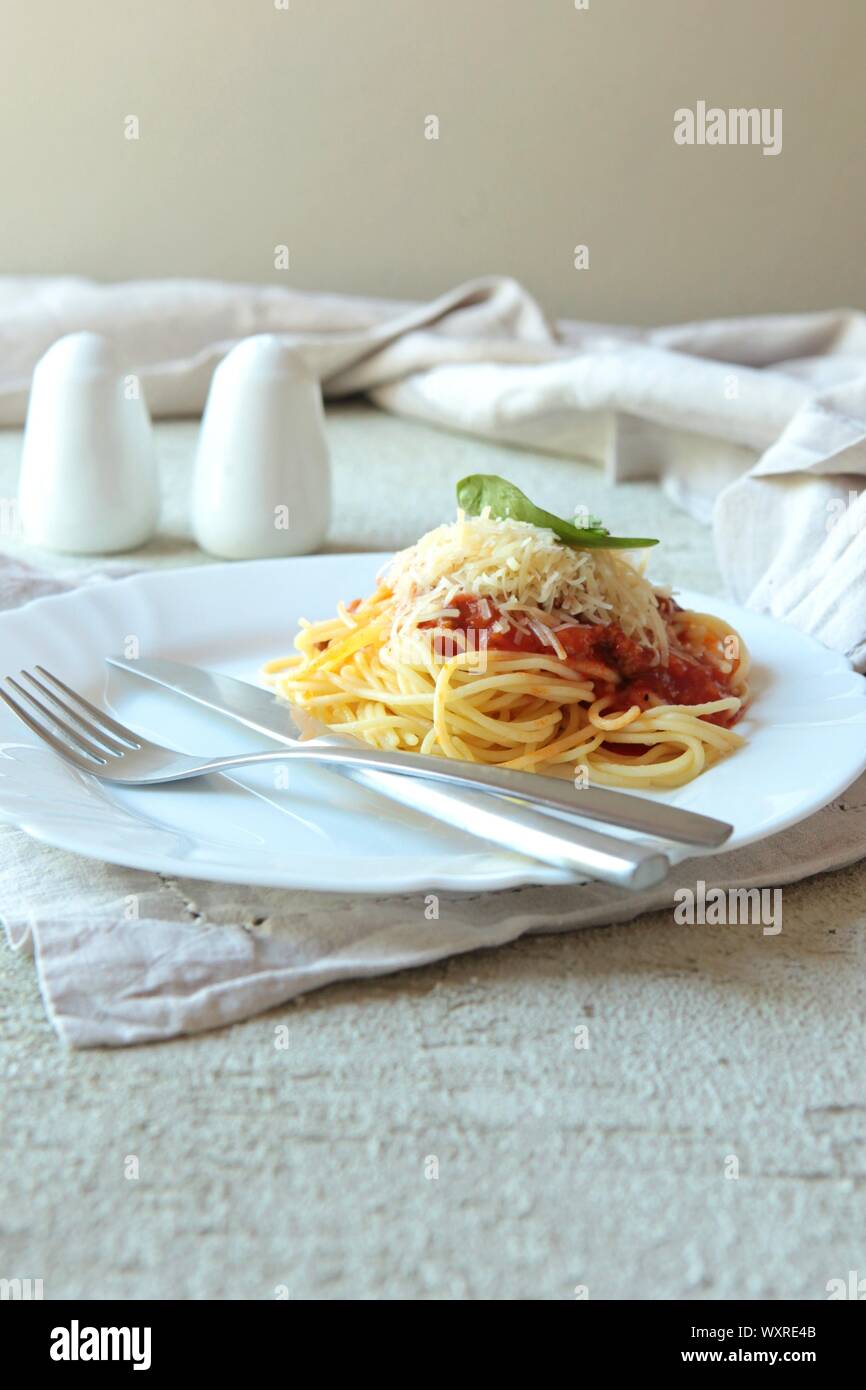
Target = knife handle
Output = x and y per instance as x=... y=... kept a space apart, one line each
x=514 y=826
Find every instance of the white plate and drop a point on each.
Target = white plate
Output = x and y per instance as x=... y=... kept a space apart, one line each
x=806 y=737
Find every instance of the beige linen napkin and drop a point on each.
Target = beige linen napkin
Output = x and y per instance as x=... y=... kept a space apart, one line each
x=782 y=398
x=123 y=956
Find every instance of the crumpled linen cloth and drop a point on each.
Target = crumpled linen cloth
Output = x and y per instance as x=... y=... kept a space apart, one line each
x=123 y=956
x=782 y=396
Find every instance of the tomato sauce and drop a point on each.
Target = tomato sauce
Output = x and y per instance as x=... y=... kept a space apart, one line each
x=685 y=680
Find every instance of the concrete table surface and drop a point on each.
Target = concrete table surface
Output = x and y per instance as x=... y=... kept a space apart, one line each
x=306 y=1172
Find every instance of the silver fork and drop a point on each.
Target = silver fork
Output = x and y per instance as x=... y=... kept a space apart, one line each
x=96 y=743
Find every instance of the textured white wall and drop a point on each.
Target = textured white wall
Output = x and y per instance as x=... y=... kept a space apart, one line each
x=305 y=126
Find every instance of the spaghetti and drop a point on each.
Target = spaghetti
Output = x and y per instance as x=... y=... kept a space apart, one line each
x=492 y=641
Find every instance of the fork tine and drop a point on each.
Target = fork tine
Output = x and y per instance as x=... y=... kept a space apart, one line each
x=105 y=740
x=98 y=754
x=86 y=764
x=112 y=725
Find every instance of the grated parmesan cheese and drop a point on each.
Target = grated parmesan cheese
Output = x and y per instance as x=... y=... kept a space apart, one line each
x=534 y=580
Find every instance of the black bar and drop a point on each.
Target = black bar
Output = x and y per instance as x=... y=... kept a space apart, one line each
x=60 y=1336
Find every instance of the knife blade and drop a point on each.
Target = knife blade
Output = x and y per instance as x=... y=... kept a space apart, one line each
x=248 y=704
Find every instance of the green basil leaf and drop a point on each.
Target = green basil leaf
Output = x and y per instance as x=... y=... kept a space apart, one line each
x=482 y=490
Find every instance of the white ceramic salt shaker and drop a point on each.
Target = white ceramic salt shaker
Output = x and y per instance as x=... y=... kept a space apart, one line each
x=89 y=481
x=262 y=478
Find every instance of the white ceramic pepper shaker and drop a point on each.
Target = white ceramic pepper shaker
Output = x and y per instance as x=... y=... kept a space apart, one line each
x=89 y=482
x=262 y=477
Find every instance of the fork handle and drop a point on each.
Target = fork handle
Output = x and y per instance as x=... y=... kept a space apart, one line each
x=508 y=819
x=509 y=822
x=615 y=808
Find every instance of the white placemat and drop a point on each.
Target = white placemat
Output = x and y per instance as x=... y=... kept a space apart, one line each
x=125 y=956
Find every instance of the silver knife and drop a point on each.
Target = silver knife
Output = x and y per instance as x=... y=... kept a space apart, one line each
x=511 y=823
